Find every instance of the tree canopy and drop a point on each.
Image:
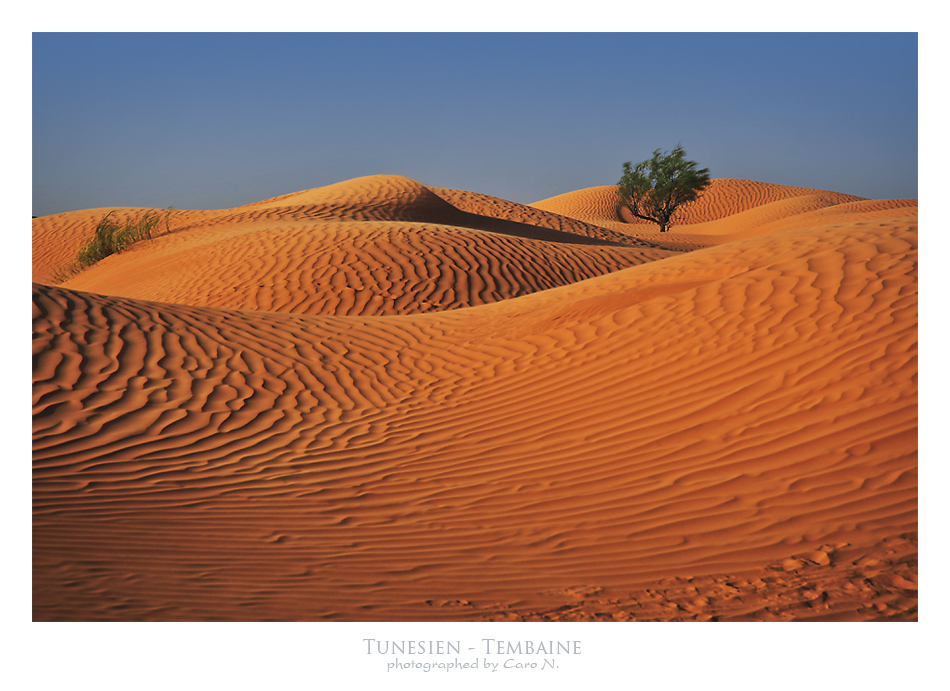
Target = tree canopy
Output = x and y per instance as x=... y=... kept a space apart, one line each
x=656 y=189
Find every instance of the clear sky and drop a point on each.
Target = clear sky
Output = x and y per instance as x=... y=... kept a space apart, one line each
x=207 y=121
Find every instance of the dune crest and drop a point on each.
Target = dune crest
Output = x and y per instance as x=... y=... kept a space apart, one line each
x=226 y=426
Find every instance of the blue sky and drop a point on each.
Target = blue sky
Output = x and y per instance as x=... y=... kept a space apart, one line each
x=218 y=120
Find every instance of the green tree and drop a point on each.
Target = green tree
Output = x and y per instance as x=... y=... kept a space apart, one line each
x=660 y=186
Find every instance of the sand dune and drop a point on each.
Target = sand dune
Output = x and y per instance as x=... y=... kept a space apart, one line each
x=352 y=268
x=522 y=426
x=375 y=245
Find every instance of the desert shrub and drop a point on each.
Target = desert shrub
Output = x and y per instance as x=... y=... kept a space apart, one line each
x=110 y=237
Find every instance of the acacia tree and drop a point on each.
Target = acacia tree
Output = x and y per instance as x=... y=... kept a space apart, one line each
x=660 y=186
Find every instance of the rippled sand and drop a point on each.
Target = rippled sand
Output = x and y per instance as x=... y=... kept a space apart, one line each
x=379 y=400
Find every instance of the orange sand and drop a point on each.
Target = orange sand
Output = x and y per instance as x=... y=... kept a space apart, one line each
x=381 y=401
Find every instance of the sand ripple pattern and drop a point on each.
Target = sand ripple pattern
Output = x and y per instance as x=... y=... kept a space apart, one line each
x=741 y=409
x=371 y=246
x=349 y=268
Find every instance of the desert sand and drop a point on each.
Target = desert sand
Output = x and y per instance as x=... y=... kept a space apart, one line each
x=379 y=400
